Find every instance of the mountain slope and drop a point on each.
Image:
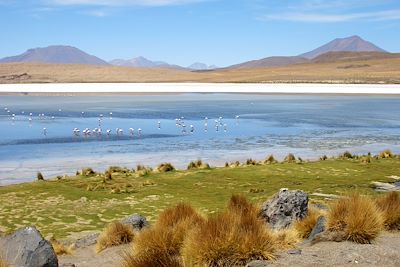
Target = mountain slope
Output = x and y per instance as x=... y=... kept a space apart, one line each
x=142 y=62
x=351 y=44
x=346 y=56
x=269 y=62
x=57 y=54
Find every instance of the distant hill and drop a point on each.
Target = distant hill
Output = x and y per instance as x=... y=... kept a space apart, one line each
x=350 y=44
x=142 y=62
x=57 y=54
x=201 y=66
x=352 y=56
x=270 y=62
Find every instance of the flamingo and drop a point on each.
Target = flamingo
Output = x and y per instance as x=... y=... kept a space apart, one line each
x=44 y=131
x=159 y=125
x=121 y=132
x=108 y=132
x=131 y=131
x=191 y=128
x=140 y=131
x=225 y=127
x=110 y=115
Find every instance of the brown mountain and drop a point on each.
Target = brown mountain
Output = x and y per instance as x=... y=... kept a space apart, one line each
x=57 y=54
x=352 y=56
x=270 y=62
x=350 y=44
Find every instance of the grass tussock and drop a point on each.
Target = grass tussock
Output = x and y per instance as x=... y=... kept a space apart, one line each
x=389 y=205
x=386 y=154
x=286 y=238
x=3 y=262
x=39 y=176
x=165 y=167
x=270 y=160
x=160 y=245
x=114 y=234
x=88 y=172
x=199 y=164
x=251 y=162
x=118 y=169
x=290 y=158
x=355 y=218
x=142 y=170
x=346 y=155
x=306 y=225
x=61 y=249
x=231 y=238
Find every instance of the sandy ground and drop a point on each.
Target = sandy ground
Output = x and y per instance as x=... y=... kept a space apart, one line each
x=384 y=252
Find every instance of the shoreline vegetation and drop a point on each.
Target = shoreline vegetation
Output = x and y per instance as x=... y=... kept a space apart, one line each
x=144 y=190
x=200 y=229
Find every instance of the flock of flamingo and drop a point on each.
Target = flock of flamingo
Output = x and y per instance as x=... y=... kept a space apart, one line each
x=98 y=131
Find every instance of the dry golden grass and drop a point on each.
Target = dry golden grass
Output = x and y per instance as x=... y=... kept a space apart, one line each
x=270 y=160
x=306 y=225
x=114 y=234
x=165 y=167
x=386 y=154
x=286 y=238
x=3 y=262
x=357 y=218
x=231 y=238
x=61 y=249
x=390 y=207
x=160 y=245
x=376 y=71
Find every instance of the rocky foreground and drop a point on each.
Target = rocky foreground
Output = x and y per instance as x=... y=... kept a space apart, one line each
x=27 y=247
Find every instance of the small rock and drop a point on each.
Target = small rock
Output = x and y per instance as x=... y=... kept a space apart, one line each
x=26 y=247
x=87 y=241
x=318 y=228
x=257 y=263
x=137 y=221
x=294 y=252
x=284 y=208
x=67 y=265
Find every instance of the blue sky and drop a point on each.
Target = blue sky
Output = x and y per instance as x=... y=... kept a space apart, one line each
x=220 y=32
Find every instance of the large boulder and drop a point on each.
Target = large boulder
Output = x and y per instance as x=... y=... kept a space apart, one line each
x=27 y=248
x=136 y=221
x=284 y=208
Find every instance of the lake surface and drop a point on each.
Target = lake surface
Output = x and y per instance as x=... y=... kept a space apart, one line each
x=307 y=125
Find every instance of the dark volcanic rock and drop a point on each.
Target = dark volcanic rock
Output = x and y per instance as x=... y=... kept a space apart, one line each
x=318 y=228
x=137 y=221
x=284 y=208
x=26 y=247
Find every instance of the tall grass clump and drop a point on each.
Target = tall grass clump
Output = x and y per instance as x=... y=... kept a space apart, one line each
x=113 y=169
x=306 y=225
x=3 y=262
x=251 y=162
x=270 y=160
x=198 y=164
x=88 y=172
x=389 y=205
x=116 y=233
x=59 y=248
x=386 y=154
x=290 y=158
x=355 y=218
x=165 y=167
x=160 y=245
x=231 y=238
x=346 y=155
x=142 y=170
x=39 y=176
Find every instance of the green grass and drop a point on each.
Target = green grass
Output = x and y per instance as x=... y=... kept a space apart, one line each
x=63 y=207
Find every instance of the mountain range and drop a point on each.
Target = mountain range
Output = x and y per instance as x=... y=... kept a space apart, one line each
x=70 y=55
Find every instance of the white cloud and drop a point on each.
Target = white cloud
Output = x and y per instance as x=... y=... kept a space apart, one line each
x=113 y=3
x=320 y=17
